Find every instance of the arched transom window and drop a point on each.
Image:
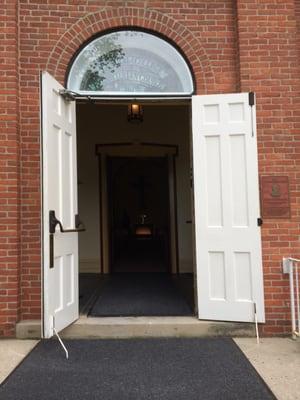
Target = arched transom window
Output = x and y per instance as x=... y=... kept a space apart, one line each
x=130 y=62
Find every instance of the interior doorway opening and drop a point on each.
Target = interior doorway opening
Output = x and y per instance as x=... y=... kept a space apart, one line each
x=138 y=195
x=134 y=195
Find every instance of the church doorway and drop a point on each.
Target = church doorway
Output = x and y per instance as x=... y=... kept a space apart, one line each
x=134 y=194
x=213 y=191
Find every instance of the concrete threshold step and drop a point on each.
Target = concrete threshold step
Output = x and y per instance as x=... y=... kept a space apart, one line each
x=142 y=327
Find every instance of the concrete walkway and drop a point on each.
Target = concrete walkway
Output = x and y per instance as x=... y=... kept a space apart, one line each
x=12 y=352
x=276 y=359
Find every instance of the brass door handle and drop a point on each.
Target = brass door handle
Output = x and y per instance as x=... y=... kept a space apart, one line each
x=53 y=222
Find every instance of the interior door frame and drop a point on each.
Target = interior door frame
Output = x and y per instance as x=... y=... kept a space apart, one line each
x=105 y=150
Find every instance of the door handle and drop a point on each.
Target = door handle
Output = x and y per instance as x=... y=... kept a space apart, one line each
x=53 y=222
x=189 y=221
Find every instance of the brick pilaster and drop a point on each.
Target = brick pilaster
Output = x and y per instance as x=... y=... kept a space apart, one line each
x=9 y=169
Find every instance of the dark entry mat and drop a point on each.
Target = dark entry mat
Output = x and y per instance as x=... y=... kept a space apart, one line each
x=140 y=369
x=142 y=294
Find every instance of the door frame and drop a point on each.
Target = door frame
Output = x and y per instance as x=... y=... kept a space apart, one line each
x=187 y=101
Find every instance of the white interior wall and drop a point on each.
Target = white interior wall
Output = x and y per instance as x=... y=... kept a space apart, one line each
x=108 y=124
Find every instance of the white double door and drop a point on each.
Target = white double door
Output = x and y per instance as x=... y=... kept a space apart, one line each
x=59 y=177
x=226 y=208
x=227 y=212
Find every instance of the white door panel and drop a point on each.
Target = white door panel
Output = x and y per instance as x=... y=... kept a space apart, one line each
x=59 y=195
x=226 y=201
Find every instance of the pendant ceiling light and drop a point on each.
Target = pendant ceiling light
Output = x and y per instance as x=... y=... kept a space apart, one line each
x=135 y=113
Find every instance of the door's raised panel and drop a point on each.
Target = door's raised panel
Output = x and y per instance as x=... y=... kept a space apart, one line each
x=56 y=102
x=69 y=112
x=66 y=180
x=239 y=180
x=213 y=181
x=243 y=279
x=58 y=300
x=70 y=277
x=53 y=163
x=211 y=114
x=217 y=275
x=236 y=112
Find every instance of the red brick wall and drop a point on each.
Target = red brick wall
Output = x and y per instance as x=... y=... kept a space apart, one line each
x=248 y=46
x=9 y=169
x=297 y=15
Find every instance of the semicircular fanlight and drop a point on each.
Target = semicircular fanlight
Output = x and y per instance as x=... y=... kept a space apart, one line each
x=130 y=62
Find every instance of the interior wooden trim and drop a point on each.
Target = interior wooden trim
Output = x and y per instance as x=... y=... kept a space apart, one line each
x=175 y=215
x=100 y=212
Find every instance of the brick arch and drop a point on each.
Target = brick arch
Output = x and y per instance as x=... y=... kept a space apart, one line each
x=109 y=18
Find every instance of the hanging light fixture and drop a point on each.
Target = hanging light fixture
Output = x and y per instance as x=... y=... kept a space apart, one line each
x=135 y=113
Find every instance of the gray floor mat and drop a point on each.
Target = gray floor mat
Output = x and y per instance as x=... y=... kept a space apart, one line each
x=132 y=294
x=140 y=369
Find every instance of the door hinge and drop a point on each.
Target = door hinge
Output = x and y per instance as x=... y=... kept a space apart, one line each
x=251 y=97
x=259 y=221
x=251 y=100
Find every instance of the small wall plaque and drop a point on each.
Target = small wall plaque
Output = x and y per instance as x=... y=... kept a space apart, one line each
x=275 y=196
